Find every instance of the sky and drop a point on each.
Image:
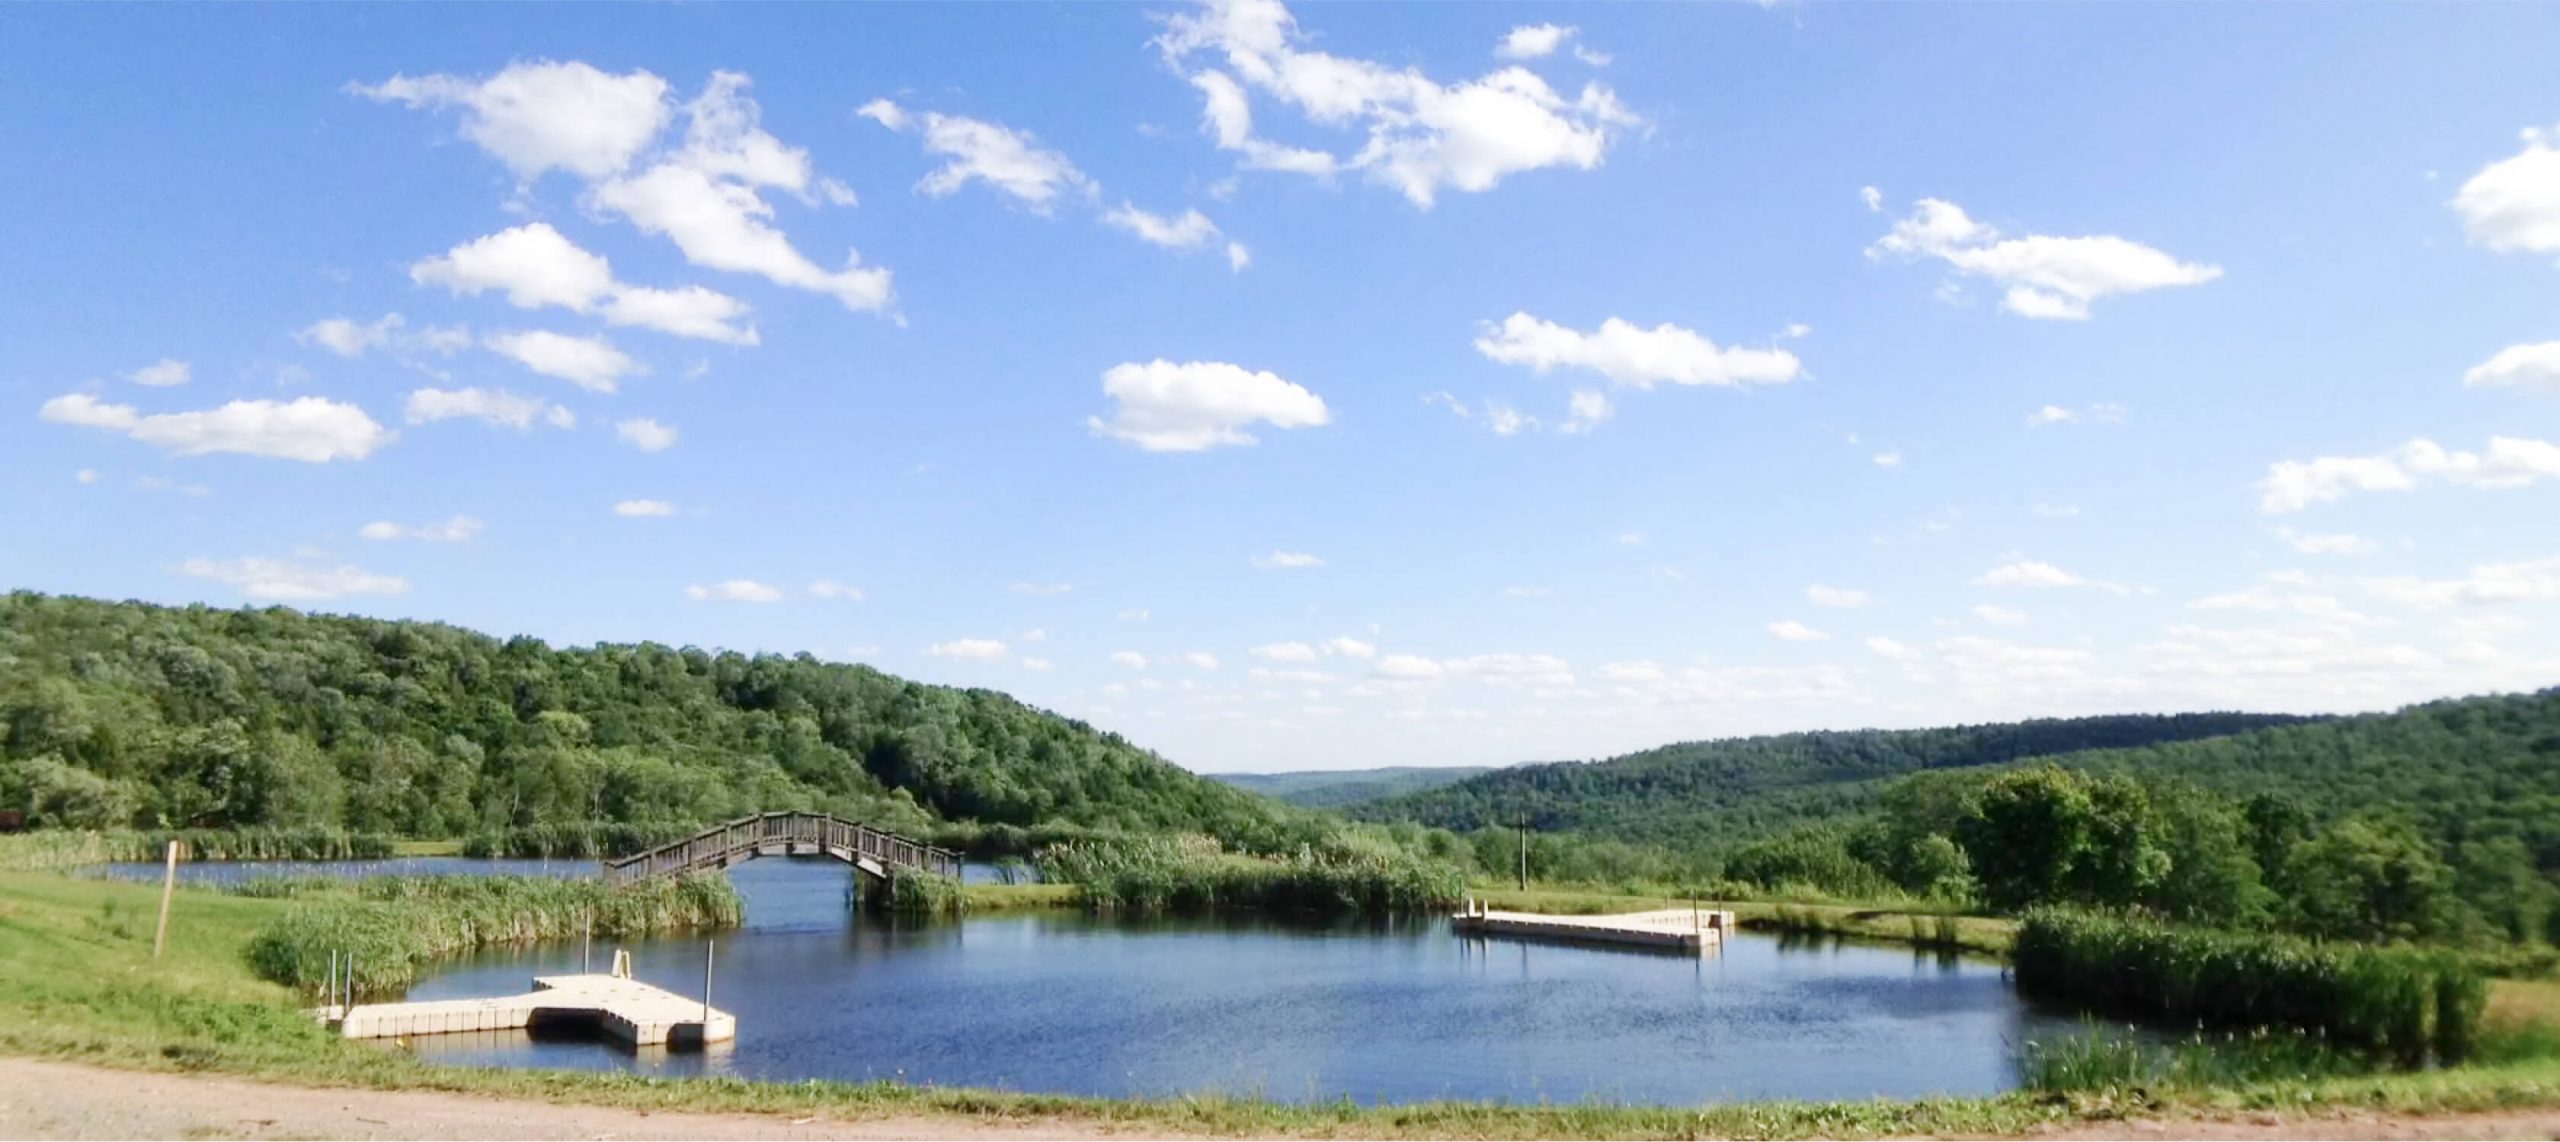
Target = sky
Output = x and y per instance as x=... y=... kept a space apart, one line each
x=1322 y=386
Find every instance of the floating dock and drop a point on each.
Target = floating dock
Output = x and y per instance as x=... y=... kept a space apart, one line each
x=629 y=1011
x=1683 y=929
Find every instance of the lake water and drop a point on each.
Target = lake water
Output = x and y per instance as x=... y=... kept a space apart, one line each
x=1399 y=1012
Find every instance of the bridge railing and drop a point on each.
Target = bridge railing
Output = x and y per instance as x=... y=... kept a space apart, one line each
x=745 y=837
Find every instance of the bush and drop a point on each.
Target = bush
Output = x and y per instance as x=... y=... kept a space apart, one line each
x=2405 y=1002
x=913 y=892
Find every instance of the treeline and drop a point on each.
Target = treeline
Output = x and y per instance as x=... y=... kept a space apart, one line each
x=133 y=716
x=1660 y=796
x=2012 y=840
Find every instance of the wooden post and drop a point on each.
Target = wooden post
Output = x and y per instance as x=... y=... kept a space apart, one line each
x=331 y=998
x=168 y=891
x=707 y=948
x=587 y=946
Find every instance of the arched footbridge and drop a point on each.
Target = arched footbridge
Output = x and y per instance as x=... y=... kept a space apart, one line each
x=785 y=834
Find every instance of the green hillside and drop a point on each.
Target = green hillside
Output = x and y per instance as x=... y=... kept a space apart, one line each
x=116 y=714
x=1679 y=795
x=1326 y=789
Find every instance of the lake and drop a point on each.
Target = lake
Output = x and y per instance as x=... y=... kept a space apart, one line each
x=1376 y=1012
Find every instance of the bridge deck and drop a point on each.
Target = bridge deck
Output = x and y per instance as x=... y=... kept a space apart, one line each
x=786 y=833
x=632 y=1012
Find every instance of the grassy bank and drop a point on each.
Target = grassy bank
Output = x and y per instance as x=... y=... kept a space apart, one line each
x=82 y=985
x=394 y=925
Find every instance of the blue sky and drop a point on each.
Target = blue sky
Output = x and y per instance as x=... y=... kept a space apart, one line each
x=1322 y=387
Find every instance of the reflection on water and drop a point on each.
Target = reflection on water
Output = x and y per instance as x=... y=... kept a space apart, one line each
x=1376 y=1011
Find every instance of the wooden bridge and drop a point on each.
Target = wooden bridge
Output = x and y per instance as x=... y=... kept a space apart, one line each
x=785 y=834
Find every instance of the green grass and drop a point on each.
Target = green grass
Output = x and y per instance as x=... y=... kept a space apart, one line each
x=81 y=985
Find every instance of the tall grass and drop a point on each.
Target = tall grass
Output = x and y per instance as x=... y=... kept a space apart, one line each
x=392 y=925
x=2100 y=1059
x=2408 y=1003
x=53 y=849
x=913 y=892
x=1348 y=875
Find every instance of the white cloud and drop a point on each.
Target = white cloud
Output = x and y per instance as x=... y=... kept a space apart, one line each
x=2510 y=462
x=543 y=116
x=1133 y=615
x=454 y=530
x=830 y=589
x=292 y=581
x=968 y=649
x=2094 y=414
x=2535 y=366
x=2321 y=608
x=1030 y=663
x=86 y=475
x=1286 y=561
x=310 y=429
x=1533 y=41
x=1422 y=136
x=1844 y=597
x=1238 y=257
x=1008 y=160
x=1043 y=589
x=642 y=509
x=1190 y=231
x=1873 y=197
x=2326 y=544
x=1408 y=666
x=724 y=225
x=1349 y=647
x=2031 y=573
x=1631 y=538
x=1793 y=631
x=162 y=373
x=2526 y=581
x=533 y=265
x=1200 y=660
x=1888 y=459
x=1285 y=652
x=1634 y=356
x=591 y=363
x=2514 y=204
x=1889 y=649
x=1640 y=671
x=1129 y=658
x=493 y=406
x=2046 y=277
x=2000 y=616
x=735 y=591
x=347 y=337
x=1585 y=410
x=645 y=434
x=1194 y=406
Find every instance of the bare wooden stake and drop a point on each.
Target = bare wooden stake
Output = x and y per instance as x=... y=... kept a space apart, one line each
x=168 y=891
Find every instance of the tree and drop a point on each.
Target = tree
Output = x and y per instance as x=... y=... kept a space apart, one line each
x=2025 y=831
x=2369 y=879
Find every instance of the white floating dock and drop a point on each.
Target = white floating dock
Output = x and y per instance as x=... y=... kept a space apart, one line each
x=633 y=1013
x=1686 y=929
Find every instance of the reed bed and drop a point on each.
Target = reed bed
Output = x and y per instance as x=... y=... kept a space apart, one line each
x=2103 y=1060
x=2406 y=1003
x=590 y=840
x=392 y=925
x=47 y=849
x=1194 y=874
x=912 y=892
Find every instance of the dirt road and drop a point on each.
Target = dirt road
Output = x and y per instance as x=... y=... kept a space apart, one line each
x=67 y=1100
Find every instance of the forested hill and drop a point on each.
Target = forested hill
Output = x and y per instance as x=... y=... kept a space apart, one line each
x=1325 y=789
x=1665 y=795
x=117 y=713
